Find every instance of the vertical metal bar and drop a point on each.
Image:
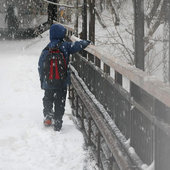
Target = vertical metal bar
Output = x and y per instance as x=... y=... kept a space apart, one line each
x=84 y=22
x=84 y=25
x=72 y=99
x=82 y=119
x=92 y=26
x=139 y=43
x=169 y=52
x=118 y=78
x=97 y=62
x=69 y=92
x=169 y=38
x=92 y=21
x=77 y=105
x=153 y=132
x=98 y=149
x=139 y=33
x=111 y=166
x=76 y=22
x=106 y=69
x=90 y=130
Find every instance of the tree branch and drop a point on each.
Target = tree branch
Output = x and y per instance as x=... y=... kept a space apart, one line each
x=154 y=9
x=99 y=18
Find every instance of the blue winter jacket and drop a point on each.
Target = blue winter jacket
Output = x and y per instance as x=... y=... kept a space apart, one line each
x=57 y=33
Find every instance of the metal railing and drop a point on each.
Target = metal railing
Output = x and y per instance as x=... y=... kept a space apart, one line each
x=125 y=131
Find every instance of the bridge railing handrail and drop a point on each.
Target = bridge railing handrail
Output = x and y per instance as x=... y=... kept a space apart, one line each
x=150 y=84
x=141 y=113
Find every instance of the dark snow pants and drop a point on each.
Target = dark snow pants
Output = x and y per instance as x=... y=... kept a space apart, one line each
x=55 y=99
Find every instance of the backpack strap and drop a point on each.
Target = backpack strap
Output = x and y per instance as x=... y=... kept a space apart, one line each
x=53 y=50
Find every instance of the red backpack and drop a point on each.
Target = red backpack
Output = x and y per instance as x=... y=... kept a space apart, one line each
x=55 y=67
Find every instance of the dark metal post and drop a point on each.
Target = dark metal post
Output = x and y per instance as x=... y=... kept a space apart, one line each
x=118 y=78
x=139 y=33
x=92 y=21
x=92 y=25
x=97 y=62
x=76 y=22
x=139 y=55
x=89 y=132
x=169 y=52
x=139 y=43
x=72 y=99
x=69 y=92
x=98 y=149
x=169 y=39
x=84 y=23
x=82 y=116
x=77 y=105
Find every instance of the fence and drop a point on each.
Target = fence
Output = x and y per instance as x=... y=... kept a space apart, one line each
x=124 y=114
x=125 y=130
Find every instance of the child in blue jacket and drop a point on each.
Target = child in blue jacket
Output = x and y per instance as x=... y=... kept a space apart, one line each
x=55 y=96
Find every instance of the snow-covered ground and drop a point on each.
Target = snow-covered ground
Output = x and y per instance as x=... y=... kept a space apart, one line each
x=25 y=144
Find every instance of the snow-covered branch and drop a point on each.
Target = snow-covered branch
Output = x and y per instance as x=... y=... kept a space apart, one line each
x=63 y=5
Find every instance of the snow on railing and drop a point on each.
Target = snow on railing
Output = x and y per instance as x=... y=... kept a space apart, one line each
x=113 y=126
x=157 y=90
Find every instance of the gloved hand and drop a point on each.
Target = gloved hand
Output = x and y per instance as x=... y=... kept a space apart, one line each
x=85 y=43
x=88 y=41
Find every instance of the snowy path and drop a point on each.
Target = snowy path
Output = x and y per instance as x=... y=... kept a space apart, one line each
x=25 y=144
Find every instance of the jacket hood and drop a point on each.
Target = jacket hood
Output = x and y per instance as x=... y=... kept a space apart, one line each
x=57 y=32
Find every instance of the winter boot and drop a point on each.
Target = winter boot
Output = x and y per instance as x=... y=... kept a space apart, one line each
x=57 y=125
x=48 y=120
